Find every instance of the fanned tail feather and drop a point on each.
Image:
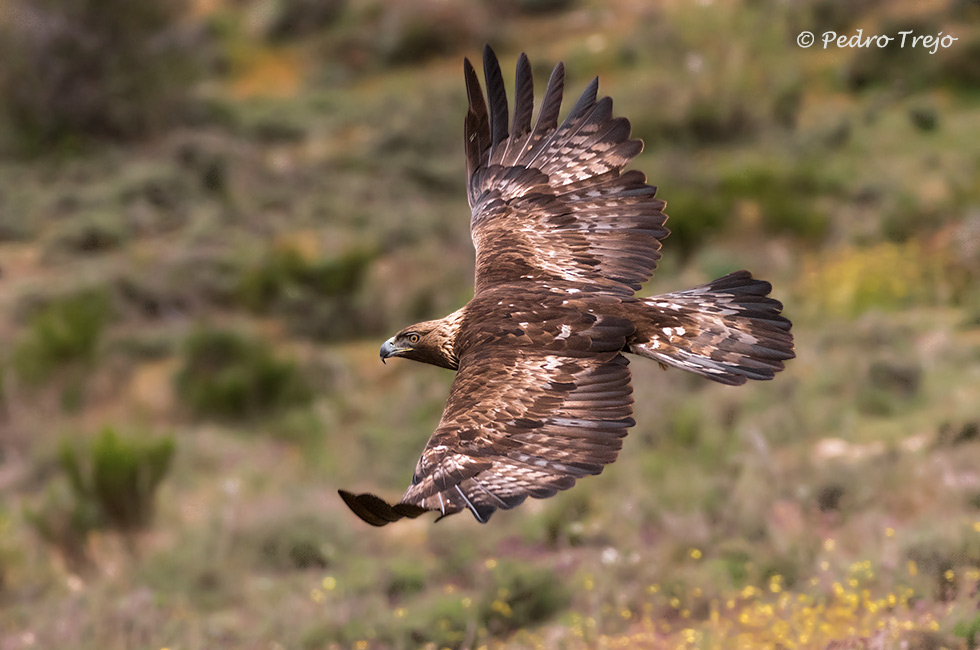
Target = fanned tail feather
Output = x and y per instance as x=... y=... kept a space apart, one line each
x=728 y=330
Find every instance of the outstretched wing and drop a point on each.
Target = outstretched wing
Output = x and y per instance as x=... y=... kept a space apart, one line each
x=551 y=204
x=518 y=423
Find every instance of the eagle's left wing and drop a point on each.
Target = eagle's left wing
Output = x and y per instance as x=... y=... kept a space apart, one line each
x=552 y=204
x=519 y=422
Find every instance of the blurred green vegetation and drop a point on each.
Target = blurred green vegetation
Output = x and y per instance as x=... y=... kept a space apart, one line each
x=227 y=375
x=118 y=476
x=227 y=206
x=66 y=330
x=76 y=69
x=317 y=298
x=112 y=484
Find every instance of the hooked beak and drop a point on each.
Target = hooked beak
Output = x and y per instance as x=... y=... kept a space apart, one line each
x=388 y=349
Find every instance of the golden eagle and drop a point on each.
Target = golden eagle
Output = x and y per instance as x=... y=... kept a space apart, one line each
x=564 y=238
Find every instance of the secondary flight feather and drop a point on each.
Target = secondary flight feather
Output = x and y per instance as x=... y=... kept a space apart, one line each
x=564 y=236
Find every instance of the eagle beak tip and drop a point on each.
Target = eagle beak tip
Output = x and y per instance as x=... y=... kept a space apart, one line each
x=387 y=350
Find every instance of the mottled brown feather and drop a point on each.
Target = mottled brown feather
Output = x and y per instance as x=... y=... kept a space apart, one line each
x=541 y=205
x=727 y=330
x=522 y=422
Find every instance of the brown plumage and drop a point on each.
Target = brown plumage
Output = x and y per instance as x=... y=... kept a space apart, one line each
x=564 y=237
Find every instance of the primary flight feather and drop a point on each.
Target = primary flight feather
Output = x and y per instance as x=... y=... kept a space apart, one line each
x=564 y=236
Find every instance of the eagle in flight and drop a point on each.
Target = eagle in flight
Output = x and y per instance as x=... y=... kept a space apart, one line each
x=564 y=237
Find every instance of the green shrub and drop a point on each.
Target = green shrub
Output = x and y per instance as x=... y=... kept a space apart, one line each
x=299 y=18
x=284 y=541
x=785 y=199
x=198 y=569
x=961 y=65
x=533 y=7
x=892 y=66
x=969 y=630
x=522 y=595
x=414 y=32
x=384 y=34
x=693 y=216
x=707 y=119
x=974 y=501
x=711 y=120
x=444 y=622
x=836 y=16
x=320 y=635
x=118 y=476
x=851 y=281
x=951 y=435
x=294 y=547
x=86 y=234
x=317 y=299
x=924 y=118
x=406 y=577
x=121 y=476
x=908 y=221
x=80 y=69
x=440 y=620
x=786 y=105
x=513 y=596
x=829 y=496
x=64 y=521
x=286 y=271
x=903 y=378
x=734 y=560
x=190 y=284
x=111 y=484
x=302 y=426
x=687 y=424
x=227 y=375
x=64 y=331
x=561 y=522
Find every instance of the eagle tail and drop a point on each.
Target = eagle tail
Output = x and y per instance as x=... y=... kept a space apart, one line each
x=727 y=330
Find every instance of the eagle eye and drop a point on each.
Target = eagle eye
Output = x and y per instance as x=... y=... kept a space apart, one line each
x=413 y=338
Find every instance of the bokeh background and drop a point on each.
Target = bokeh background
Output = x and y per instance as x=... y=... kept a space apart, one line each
x=213 y=212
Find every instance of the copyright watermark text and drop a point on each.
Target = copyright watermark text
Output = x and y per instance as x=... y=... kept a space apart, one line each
x=908 y=38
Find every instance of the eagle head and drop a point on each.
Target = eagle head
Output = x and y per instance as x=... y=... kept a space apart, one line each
x=429 y=342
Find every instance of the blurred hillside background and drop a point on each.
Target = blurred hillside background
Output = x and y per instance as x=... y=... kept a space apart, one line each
x=213 y=212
